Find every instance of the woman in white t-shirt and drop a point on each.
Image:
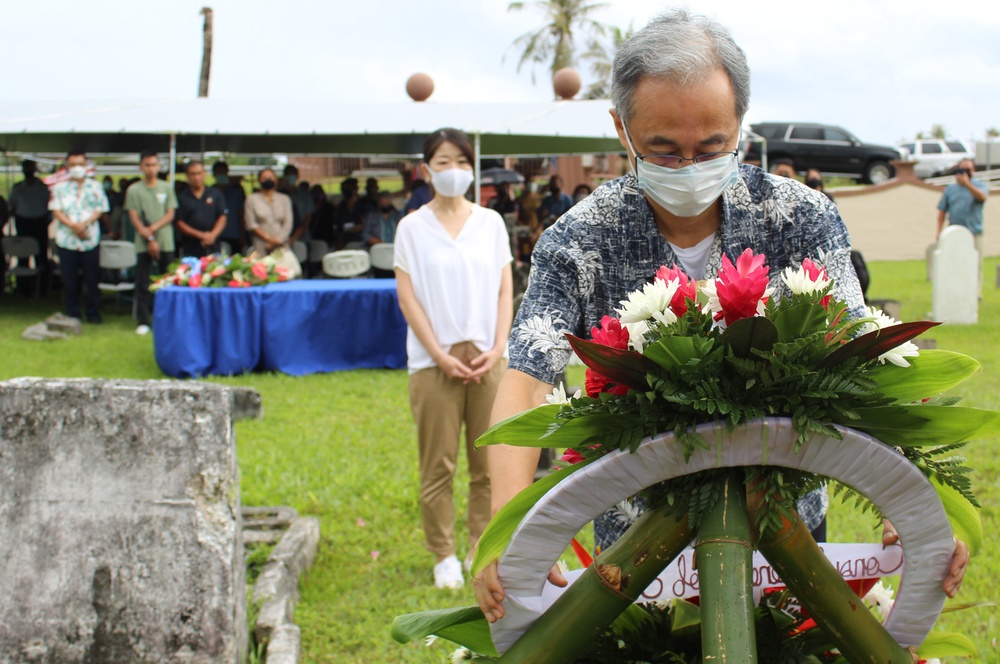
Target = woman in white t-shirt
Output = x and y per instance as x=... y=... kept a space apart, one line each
x=453 y=275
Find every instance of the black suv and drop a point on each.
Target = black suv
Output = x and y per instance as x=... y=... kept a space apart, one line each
x=834 y=151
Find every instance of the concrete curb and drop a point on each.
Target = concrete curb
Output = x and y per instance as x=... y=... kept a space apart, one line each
x=277 y=590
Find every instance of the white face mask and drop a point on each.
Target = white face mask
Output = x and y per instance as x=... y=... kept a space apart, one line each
x=77 y=172
x=451 y=182
x=687 y=191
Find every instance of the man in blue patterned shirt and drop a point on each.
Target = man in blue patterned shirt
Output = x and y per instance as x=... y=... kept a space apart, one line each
x=680 y=89
x=77 y=205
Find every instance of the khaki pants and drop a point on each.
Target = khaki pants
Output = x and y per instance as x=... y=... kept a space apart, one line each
x=440 y=405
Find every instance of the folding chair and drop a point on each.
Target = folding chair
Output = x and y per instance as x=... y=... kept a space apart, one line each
x=382 y=255
x=116 y=258
x=317 y=249
x=347 y=263
x=24 y=251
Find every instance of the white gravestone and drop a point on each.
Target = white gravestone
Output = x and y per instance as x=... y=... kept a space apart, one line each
x=955 y=280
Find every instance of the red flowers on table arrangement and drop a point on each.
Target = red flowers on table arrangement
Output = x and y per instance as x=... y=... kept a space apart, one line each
x=217 y=271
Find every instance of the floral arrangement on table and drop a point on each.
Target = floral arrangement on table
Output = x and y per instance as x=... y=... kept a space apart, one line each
x=217 y=271
x=678 y=356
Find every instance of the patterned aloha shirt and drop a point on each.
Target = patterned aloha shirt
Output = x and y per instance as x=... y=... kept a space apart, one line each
x=608 y=245
x=78 y=201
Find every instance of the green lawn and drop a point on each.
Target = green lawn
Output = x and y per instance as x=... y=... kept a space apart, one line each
x=342 y=447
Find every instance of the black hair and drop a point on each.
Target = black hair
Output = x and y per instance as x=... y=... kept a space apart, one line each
x=456 y=137
x=76 y=153
x=193 y=162
x=146 y=154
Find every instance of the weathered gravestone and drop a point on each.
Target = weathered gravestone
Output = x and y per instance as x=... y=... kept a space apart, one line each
x=955 y=277
x=119 y=523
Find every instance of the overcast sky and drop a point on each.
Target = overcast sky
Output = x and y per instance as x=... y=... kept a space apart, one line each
x=884 y=70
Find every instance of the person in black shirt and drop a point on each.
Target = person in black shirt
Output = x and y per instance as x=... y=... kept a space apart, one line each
x=201 y=214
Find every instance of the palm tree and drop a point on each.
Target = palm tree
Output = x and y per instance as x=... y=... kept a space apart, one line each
x=602 y=56
x=554 y=40
x=938 y=131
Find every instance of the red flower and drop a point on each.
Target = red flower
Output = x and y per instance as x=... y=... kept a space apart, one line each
x=219 y=271
x=741 y=288
x=595 y=383
x=259 y=270
x=688 y=289
x=816 y=273
x=610 y=333
x=205 y=260
x=194 y=281
x=571 y=456
x=238 y=284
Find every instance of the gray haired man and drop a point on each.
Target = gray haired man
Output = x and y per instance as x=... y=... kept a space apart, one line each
x=680 y=89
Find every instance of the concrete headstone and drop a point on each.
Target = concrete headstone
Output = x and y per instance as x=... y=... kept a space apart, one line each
x=955 y=278
x=120 y=514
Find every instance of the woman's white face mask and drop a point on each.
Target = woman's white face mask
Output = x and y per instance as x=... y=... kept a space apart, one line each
x=687 y=191
x=451 y=182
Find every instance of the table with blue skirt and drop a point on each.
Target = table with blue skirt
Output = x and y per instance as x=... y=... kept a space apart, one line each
x=296 y=327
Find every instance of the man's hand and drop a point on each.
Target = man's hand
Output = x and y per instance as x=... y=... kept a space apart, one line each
x=80 y=230
x=153 y=247
x=490 y=593
x=962 y=178
x=959 y=559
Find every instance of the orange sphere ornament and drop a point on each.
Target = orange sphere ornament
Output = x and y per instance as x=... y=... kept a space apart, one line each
x=566 y=83
x=419 y=86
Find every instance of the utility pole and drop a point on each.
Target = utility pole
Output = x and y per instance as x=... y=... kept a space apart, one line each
x=206 y=52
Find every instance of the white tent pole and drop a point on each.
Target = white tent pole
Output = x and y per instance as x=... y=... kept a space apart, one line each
x=173 y=158
x=475 y=149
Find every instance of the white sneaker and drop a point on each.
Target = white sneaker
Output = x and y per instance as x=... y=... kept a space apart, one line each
x=448 y=574
x=142 y=330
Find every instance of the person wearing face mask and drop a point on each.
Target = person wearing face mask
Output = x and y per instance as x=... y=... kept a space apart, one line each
x=453 y=276
x=268 y=214
x=555 y=203
x=380 y=225
x=680 y=90
x=581 y=192
x=77 y=204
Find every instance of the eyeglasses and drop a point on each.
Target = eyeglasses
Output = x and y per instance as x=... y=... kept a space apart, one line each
x=674 y=161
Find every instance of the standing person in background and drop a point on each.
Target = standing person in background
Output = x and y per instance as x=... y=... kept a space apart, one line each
x=29 y=203
x=581 y=192
x=783 y=167
x=453 y=277
x=236 y=199
x=555 y=204
x=78 y=205
x=150 y=205
x=350 y=213
x=504 y=202
x=201 y=215
x=302 y=204
x=324 y=217
x=814 y=180
x=962 y=203
x=420 y=194
x=268 y=214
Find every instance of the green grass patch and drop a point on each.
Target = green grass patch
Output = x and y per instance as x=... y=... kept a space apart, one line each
x=342 y=447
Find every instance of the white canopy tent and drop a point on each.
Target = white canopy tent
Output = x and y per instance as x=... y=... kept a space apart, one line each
x=332 y=129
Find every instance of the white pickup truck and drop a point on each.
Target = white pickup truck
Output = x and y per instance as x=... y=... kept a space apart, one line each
x=935 y=156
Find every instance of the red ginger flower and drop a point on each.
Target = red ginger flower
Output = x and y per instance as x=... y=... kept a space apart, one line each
x=687 y=289
x=610 y=333
x=741 y=290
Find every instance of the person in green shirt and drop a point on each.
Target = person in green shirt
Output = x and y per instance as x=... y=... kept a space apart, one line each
x=150 y=205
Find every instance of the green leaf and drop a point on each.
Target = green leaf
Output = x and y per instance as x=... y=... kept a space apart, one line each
x=871 y=345
x=497 y=535
x=964 y=517
x=672 y=352
x=746 y=334
x=465 y=626
x=929 y=374
x=625 y=367
x=946 y=644
x=539 y=427
x=799 y=320
x=909 y=426
x=685 y=617
x=631 y=620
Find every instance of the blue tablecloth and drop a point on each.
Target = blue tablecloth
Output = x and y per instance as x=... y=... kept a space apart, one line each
x=332 y=324
x=297 y=327
x=207 y=331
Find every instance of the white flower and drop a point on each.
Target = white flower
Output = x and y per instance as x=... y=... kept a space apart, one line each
x=652 y=302
x=800 y=283
x=713 y=306
x=880 y=600
x=429 y=641
x=563 y=567
x=637 y=335
x=558 y=395
x=461 y=655
x=898 y=354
